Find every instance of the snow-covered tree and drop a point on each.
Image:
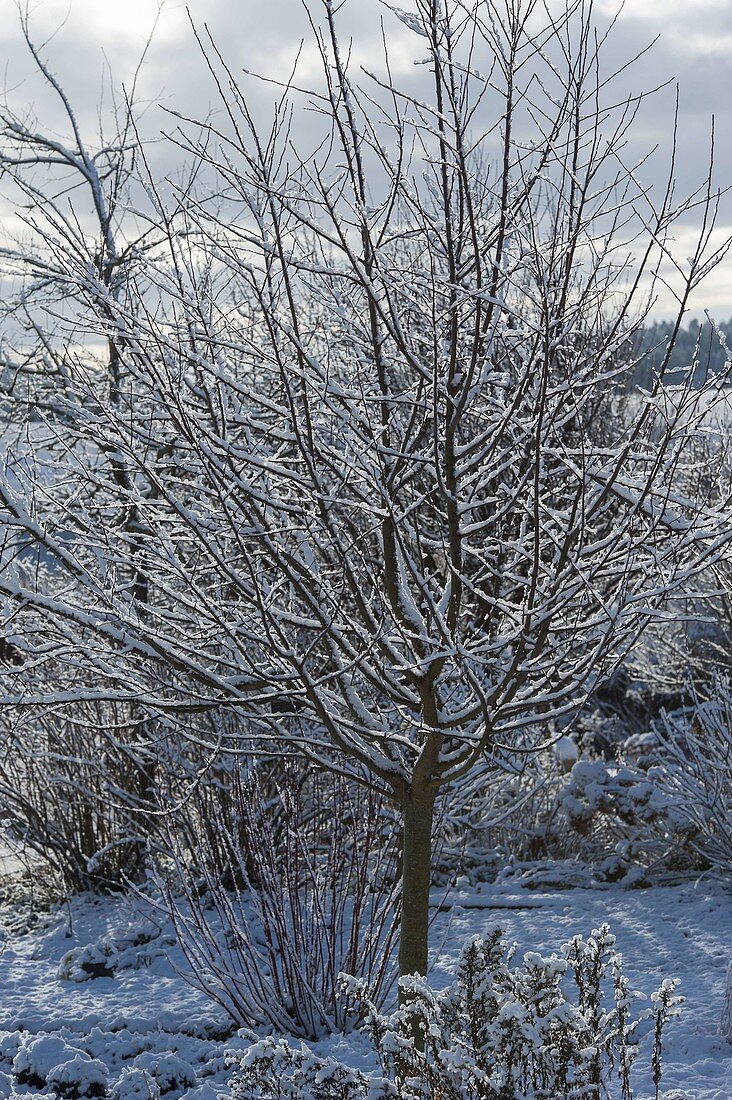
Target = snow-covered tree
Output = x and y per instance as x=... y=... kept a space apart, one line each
x=385 y=507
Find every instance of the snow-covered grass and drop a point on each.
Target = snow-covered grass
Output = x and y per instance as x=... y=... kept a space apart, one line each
x=139 y=1029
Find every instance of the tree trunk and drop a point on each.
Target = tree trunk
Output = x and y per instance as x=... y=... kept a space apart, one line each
x=418 y=811
x=725 y=1024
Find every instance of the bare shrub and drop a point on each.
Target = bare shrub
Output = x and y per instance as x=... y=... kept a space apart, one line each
x=286 y=885
x=692 y=769
x=70 y=782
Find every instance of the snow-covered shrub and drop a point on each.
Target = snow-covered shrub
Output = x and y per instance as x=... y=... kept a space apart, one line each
x=135 y=1084
x=36 y=1058
x=621 y=819
x=80 y=1076
x=548 y=1029
x=117 y=949
x=10 y=1044
x=170 y=1072
x=597 y=787
x=661 y=804
x=80 y=964
x=301 y=885
x=593 y=812
x=666 y=801
x=655 y=798
x=274 y=1070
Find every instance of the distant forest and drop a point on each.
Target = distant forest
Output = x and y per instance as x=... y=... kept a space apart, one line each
x=710 y=355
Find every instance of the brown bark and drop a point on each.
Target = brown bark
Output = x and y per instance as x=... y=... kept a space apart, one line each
x=418 y=810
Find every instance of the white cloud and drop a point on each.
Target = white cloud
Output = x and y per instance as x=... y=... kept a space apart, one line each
x=664 y=12
x=699 y=43
x=130 y=21
x=688 y=28
x=713 y=294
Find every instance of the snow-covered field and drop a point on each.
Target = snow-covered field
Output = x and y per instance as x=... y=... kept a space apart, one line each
x=141 y=1020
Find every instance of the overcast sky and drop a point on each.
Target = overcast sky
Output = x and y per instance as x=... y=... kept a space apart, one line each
x=694 y=48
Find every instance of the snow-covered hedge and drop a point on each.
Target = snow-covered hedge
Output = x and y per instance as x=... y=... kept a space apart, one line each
x=553 y=1027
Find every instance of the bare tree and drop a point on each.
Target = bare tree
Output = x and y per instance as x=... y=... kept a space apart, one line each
x=380 y=509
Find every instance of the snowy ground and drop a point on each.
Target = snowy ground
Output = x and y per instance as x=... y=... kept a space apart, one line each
x=145 y=1017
